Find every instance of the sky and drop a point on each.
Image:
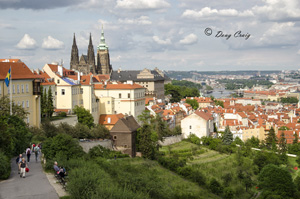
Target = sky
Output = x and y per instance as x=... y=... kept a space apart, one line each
x=202 y=35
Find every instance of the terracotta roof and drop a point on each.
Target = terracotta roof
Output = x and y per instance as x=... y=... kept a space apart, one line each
x=85 y=79
x=19 y=71
x=10 y=60
x=114 y=118
x=204 y=115
x=117 y=86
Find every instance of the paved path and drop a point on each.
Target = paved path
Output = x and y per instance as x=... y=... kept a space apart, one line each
x=34 y=186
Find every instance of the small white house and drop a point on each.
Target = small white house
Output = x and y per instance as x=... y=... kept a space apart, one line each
x=199 y=123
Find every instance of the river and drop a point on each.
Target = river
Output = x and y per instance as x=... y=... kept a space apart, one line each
x=219 y=93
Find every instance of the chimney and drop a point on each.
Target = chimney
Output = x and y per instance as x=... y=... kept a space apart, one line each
x=119 y=70
x=60 y=70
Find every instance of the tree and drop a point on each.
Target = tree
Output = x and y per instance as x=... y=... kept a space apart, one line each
x=276 y=181
x=17 y=110
x=253 y=142
x=44 y=101
x=295 y=141
x=62 y=145
x=50 y=107
x=219 y=103
x=215 y=187
x=227 y=137
x=282 y=143
x=146 y=141
x=271 y=139
x=160 y=127
x=283 y=128
x=193 y=103
x=84 y=116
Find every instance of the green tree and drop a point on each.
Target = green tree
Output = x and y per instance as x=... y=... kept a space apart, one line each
x=295 y=141
x=283 y=128
x=147 y=141
x=219 y=103
x=193 y=103
x=160 y=127
x=49 y=129
x=227 y=137
x=62 y=145
x=17 y=110
x=50 y=107
x=215 y=187
x=253 y=142
x=44 y=105
x=84 y=116
x=271 y=139
x=277 y=181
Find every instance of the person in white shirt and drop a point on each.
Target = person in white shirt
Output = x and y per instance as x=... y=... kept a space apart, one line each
x=28 y=153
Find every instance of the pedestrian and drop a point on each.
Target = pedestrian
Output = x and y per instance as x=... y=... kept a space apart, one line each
x=28 y=153
x=36 y=152
x=18 y=160
x=22 y=166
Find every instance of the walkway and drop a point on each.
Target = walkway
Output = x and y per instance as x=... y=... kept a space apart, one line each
x=34 y=186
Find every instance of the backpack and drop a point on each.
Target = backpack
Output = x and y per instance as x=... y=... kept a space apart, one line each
x=28 y=152
x=36 y=149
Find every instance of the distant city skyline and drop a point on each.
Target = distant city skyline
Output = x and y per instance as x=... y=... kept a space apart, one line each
x=179 y=35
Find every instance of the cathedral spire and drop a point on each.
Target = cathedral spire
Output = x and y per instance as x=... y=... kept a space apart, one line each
x=102 y=45
x=91 y=55
x=74 y=55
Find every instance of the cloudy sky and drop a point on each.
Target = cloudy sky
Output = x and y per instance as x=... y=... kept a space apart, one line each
x=168 y=34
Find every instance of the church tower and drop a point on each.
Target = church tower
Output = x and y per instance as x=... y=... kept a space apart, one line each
x=91 y=56
x=74 y=55
x=103 y=61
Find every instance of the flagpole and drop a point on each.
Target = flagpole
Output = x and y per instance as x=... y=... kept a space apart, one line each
x=10 y=82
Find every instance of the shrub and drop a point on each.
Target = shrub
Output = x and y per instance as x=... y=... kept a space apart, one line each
x=63 y=145
x=100 y=131
x=228 y=193
x=62 y=114
x=4 y=166
x=215 y=187
x=100 y=151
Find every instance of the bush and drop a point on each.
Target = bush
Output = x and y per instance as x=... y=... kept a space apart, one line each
x=215 y=187
x=228 y=193
x=100 y=151
x=4 y=166
x=62 y=114
x=100 y=131
x=63 y=145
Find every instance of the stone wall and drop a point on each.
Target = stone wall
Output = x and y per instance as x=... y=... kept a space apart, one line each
x=170 y=140
x=87 y=145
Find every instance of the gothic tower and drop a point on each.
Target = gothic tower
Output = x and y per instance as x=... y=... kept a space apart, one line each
x=74 y=55
x=103 y=61
x=91 y=56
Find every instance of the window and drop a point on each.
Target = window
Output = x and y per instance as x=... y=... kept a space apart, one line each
x=108 y=102
x=120 y=95
x=23 y=104
x=58 y=81
x=14 y=90
x=62 y=91
x=27 y=88
x=128 y=95
x=109 y=120
x=190 y=127
x=81 y=91
x=27 y=104
x=114 y=137
x=18 y=88
x=18 y=103
x=22 y=87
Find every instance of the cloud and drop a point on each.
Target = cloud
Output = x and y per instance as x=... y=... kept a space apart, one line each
x=189 y=39
x=50 y=43
x=143 y=20
x=279 y=10
x=208 y=12
x=32 y=4
x=27 y=43
x=161 y=41
x=142 y=4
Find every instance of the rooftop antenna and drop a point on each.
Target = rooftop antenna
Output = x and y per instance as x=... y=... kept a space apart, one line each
x=61 y=62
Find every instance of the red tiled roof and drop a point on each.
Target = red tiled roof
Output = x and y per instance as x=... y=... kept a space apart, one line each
x=19 y=70
x=204 y=115
x=113 y=118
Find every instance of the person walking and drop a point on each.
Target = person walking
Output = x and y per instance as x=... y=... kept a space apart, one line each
x=18 y=160
x=22 y=166
x=36 y=152
x=28 y=153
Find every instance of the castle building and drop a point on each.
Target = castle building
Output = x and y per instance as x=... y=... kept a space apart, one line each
x=86 y=63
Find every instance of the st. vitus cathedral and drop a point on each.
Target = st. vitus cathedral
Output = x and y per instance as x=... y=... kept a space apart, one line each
x=87 y=63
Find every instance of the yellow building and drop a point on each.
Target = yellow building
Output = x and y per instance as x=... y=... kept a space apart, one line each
x=126 y=98
x=25 y=88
